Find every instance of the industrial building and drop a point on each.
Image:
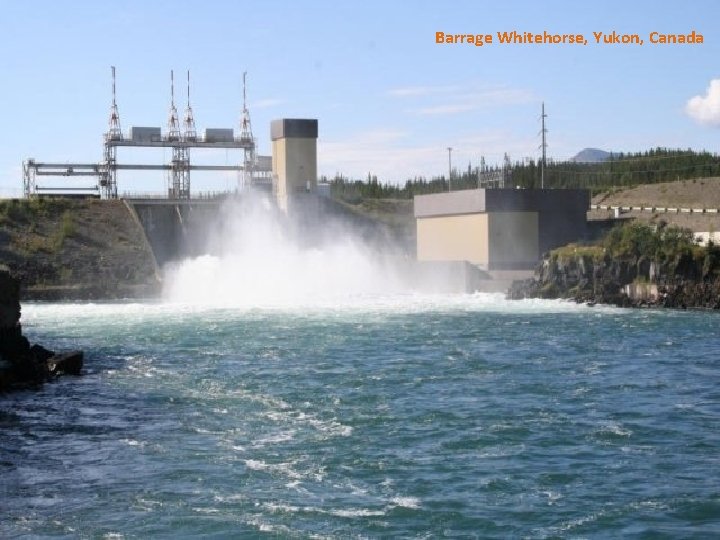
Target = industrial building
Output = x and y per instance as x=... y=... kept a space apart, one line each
x=498 y=229
x=294 y=158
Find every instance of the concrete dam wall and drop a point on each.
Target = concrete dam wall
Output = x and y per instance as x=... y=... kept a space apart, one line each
x=175 y=229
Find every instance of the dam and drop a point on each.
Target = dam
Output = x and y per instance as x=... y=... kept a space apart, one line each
x=461 y=241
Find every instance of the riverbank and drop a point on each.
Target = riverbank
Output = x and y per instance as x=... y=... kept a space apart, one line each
x=636 y=265
x=64 y=249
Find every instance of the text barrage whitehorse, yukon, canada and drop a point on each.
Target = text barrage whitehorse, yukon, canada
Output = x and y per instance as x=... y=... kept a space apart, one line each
x=613 y=37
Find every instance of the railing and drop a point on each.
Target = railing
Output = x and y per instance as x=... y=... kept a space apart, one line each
x=655 y=209
x=199 y=195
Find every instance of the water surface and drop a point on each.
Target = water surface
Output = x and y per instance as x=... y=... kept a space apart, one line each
x=390 y=416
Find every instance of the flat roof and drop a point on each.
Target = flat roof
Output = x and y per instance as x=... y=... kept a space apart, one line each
x=473 y=201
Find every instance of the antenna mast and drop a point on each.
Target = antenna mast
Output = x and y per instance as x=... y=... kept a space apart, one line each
x=173 y=122
x=543 y=131
x=114 y=131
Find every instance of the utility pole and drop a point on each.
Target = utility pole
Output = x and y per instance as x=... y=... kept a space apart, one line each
x=449 y=168
x=543 y=116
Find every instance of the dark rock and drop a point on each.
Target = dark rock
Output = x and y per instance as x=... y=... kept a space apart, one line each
x=20 y=364
x=682 y=283
x=40 y=353
x=70 y=363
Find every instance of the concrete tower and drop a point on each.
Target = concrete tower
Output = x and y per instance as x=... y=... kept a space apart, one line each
x=294 y=159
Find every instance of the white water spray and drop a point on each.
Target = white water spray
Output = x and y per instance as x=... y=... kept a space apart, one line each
x=261 y=259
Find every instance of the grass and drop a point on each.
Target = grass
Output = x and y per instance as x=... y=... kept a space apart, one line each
x=576 y=250
x=24 y=218
x=65 y=231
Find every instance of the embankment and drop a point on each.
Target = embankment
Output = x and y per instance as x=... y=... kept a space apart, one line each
x=76 y=249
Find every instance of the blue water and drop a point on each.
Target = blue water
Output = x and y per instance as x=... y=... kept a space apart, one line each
x=403 y=417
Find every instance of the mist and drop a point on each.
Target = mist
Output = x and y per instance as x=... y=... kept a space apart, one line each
x=256 y=256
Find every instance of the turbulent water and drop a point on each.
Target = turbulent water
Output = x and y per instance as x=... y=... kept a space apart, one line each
x=381 y=416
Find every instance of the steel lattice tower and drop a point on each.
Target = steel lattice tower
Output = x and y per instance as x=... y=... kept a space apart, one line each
x=190 y=133
x=246 y=136
x=108 y=174
x=179 y=177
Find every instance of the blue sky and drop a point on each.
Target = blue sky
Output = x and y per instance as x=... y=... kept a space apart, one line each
x=389 y=100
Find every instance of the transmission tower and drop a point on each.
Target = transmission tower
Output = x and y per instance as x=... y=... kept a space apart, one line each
x=543 y=132
x=246 y=137
x=108 y=172
x=189 y=120
x=179 y=178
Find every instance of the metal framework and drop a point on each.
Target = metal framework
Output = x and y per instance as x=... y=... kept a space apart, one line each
x=495 y=177
x=255 y=169
x=246 y=136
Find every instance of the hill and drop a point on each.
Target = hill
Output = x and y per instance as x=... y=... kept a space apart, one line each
x=591 y=155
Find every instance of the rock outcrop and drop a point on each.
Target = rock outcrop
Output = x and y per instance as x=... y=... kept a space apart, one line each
x=690 y=280
x=20 y=363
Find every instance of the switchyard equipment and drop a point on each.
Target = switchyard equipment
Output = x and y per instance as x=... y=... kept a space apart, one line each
x=255 y=169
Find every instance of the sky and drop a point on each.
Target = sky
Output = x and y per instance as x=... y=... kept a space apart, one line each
x=389 y=99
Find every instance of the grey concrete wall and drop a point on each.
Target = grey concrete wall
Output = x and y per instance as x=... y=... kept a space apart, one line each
x=512 y=240
x=175 y=230
x=470 y=201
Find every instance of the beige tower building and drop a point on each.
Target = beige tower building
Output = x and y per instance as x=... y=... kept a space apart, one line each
x=294 y=159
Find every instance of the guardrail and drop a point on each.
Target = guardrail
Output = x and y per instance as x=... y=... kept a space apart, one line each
x=655 y=209
x=196 y=195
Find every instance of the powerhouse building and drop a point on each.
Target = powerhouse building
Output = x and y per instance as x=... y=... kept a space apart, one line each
x=499 y=229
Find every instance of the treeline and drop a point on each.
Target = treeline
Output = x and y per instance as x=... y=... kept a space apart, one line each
x=650 y=167
x=620 y=170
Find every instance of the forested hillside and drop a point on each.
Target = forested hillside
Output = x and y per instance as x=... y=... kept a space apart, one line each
x=620 y=170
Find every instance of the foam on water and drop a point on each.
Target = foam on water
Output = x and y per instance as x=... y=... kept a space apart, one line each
x=98 y=314
x=261 y=258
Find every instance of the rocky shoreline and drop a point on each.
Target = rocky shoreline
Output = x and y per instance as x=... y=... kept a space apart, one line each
x=21 y=364
x=688 y=280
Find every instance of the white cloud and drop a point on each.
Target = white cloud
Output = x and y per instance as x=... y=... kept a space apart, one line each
x=380 y=152
x=411 y=91
x=706 y=109
x=267 y=103
x=448 y=108
x=457 y=99
x=392 y=156
x=478 y=99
